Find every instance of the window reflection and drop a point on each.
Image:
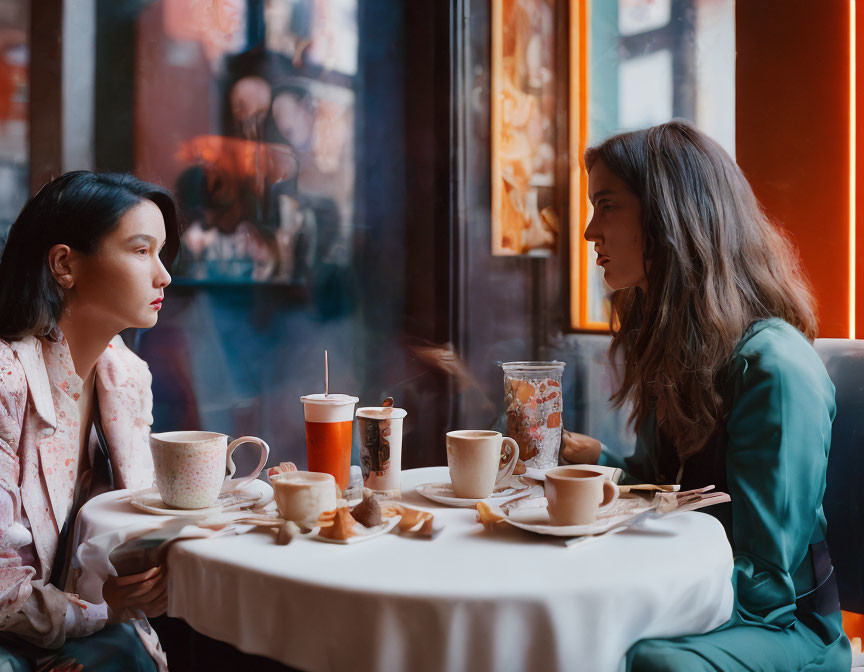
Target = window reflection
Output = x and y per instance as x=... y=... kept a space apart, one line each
x=268 y=185
x=247 y=109
x=14 y=95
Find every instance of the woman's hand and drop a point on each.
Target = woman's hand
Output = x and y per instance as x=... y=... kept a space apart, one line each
x=579 y=448
x=146 y=592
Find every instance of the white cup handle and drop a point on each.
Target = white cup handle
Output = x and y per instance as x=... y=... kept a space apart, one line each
x=507 y=470
x=230 y=482
x=610 y=494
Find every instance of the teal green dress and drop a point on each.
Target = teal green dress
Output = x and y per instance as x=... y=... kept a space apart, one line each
x=115 y=648
x=771 y=457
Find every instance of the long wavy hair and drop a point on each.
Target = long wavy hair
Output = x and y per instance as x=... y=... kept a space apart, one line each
x=714 y=264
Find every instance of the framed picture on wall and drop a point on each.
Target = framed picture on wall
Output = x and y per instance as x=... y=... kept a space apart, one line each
x=525 y=220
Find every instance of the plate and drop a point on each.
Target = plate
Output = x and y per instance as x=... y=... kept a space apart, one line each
x=533 y=517
x=442 y=493
x=151 y=502
x=367 y=534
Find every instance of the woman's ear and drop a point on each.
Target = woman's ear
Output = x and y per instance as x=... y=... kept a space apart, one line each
x=59 y=261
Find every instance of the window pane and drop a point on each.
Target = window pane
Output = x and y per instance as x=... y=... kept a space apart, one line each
x=650 y=61
x=281 y=126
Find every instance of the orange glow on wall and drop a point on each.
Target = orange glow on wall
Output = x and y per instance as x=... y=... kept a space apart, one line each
x=794 y=138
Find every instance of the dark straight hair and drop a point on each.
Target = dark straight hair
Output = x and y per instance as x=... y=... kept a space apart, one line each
x=77 y=209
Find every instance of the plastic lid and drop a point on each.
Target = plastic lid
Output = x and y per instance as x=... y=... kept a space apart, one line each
x=534 y=366
x=303 y=477
x=329 y=399
x=381 y=412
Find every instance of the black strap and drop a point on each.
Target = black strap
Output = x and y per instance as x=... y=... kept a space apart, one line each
x=103 y=470
x=101 y=479
x=824 y=599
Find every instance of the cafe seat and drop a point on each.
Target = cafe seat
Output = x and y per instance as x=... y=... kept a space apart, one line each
x=844 y=495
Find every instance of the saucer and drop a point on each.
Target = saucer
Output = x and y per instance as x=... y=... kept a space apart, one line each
x=442 y=493
x=365 y=535
x=532 y=516
x=151 y=502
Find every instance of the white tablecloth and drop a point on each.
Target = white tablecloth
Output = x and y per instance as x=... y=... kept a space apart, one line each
x=469 y=600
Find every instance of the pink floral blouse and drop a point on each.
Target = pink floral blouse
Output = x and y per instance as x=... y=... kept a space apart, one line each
x=39 y=466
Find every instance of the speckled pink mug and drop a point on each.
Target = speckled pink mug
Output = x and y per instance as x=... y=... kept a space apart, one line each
x=190 y=466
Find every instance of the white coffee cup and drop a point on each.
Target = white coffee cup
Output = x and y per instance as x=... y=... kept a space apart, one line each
x=477 y=463
x=576 y=493
x=190 y=466
x=302 y=496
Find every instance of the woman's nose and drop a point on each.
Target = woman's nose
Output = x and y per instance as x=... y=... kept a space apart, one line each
x=163 y=278
x=591 y=234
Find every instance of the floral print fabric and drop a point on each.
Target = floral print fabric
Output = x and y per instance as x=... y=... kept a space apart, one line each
x=39 y=465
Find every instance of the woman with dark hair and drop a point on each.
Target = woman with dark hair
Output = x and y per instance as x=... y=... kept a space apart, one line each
x=86 y=259
x=712 y=323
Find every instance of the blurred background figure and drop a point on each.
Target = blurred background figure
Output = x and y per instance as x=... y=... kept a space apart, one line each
x=249 y=99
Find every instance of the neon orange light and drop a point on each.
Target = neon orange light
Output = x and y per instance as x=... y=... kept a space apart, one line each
x=853 y=148
x=574 y=139
x=583 y=175
x=578 y=115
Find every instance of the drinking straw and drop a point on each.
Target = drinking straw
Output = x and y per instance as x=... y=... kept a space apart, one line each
x=326 y=376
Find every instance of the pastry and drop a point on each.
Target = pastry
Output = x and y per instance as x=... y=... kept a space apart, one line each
x=368 y=512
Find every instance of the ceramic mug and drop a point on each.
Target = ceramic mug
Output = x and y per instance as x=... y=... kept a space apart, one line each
x=190 y=466
x=576 y=493
x=302 y=496
x=477 y=461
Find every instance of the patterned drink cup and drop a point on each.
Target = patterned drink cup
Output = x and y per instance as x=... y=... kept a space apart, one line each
x=191 y=467
x=329 y=429
x=532 y=392
x=381 y=448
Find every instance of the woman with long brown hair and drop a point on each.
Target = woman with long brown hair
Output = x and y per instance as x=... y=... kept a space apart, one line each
x=712 y=324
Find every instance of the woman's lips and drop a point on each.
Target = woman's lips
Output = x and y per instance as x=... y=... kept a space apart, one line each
x=602 y=259
x=157 y=304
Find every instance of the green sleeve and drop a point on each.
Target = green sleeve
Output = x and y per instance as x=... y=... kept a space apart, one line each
x=640 y=466
x=779 y=432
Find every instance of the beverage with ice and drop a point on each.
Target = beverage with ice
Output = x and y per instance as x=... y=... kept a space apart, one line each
x=534 y=404
x=329 y=428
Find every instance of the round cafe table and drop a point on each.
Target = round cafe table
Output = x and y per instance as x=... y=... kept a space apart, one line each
x=468 y=600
